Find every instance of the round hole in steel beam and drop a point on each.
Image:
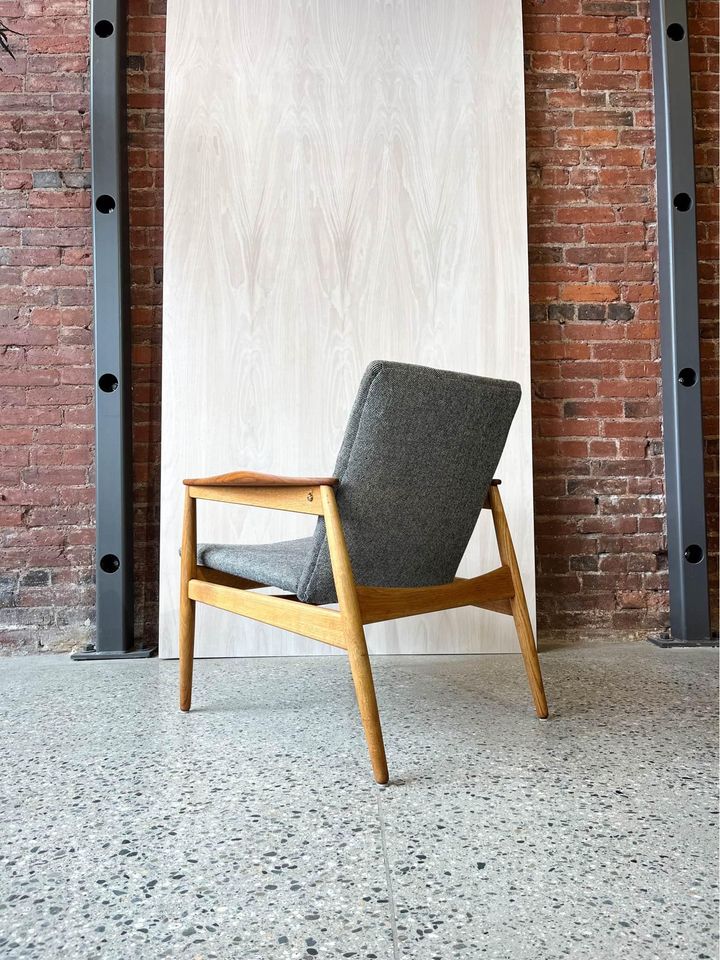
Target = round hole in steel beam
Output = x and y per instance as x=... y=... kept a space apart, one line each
x=103 y=28
x=687 y=377
x=682 y=202
x=694 y=553
x=108 y=382
x=109 y=563
x=105 y=203
x=676 y=31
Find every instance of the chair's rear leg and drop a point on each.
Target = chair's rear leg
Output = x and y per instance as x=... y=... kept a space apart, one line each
x=188 y=562
x=523 y=627
x=354 y=635
x=518 y=604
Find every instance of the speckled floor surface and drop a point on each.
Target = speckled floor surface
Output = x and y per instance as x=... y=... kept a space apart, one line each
x=250 y=829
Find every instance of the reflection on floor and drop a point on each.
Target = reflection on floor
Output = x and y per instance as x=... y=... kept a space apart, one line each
x=251 y=829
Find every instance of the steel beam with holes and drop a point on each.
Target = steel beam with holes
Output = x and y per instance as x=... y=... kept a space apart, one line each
x=113 y=518
x=679 y=326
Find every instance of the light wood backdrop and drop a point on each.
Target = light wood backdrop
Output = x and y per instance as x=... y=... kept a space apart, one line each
x=344 y=181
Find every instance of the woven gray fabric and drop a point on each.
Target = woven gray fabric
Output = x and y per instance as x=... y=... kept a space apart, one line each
x=415 y=465
x=279 y=564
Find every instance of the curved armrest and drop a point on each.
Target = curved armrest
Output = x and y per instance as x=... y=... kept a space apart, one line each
x=247 y=478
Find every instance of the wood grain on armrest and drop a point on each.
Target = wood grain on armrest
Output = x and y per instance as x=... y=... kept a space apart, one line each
x=247 y=478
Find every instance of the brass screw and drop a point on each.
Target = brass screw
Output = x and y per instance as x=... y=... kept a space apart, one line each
x=310 y=496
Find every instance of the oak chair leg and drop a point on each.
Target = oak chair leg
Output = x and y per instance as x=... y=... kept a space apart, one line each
x=354 y=636
x=188 y=563
x=518 y=604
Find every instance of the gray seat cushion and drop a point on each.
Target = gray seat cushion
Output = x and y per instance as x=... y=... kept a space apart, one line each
x=276 y=564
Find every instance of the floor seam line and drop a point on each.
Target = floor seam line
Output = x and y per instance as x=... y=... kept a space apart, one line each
x=391 y=896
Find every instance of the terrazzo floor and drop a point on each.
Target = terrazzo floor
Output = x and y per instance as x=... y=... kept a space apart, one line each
x=250 y=829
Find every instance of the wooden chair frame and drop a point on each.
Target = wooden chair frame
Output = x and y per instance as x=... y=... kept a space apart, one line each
x=500 y=590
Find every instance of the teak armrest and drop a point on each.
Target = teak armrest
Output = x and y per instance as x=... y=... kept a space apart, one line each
x=296 y=494
x=247 y=478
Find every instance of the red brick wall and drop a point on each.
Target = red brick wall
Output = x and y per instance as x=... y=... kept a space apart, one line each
x=598 y=449
x=596 y=361
x=705 y=66
x=46 y=373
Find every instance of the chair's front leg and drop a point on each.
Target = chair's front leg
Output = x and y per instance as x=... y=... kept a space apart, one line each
x=188 y=563
x=354 y=635
x=367 y=702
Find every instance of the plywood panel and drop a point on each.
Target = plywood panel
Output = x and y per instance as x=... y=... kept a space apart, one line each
x=345 y=181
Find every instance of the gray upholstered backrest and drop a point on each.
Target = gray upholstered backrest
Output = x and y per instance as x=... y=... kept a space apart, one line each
x=415 y=465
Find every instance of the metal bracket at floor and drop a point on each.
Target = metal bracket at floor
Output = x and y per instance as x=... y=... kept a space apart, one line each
x=667 y=642
x=90 y=653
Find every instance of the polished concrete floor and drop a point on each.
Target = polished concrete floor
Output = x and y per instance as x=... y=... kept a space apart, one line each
x=250 y=829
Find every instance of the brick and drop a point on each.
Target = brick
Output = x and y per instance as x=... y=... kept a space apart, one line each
x=622 y=233
x=561 y=312
x=592 y=311
x=46 y=179
x=35 y=578
x=586 y=214
x=622 y=312
x=589 y=293
x=609 y=8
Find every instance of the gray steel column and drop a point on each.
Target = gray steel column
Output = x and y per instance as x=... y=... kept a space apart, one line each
x=679 y=326
x=113 y=452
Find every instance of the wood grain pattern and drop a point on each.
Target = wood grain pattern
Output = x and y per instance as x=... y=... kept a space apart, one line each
x=518 y=605
x=354 y=635
x=186 y=606
x=344 y=182
x=316 y=622
x=383 y=603
x=247 y=478
x=292 y=499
